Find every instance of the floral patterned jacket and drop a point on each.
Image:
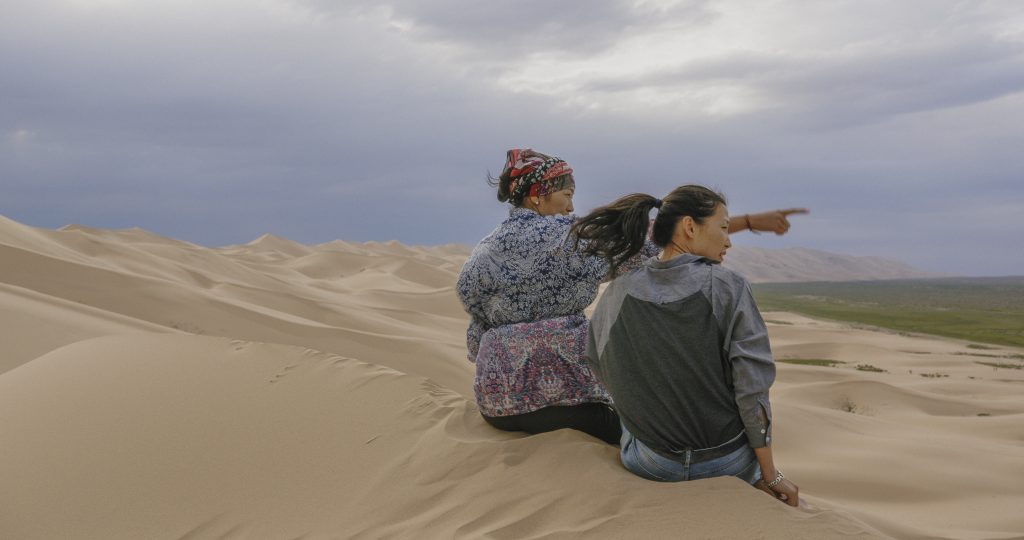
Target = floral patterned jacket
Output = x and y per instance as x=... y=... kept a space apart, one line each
x=526 y=286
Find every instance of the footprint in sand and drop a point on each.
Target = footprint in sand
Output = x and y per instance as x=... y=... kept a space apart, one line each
x=283 y=373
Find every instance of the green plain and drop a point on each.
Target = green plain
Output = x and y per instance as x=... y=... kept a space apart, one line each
x=985 y=310
x=810 y=361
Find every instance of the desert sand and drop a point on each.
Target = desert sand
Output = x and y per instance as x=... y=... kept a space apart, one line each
x=154 y=388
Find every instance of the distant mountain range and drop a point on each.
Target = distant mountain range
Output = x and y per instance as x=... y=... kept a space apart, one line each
x=760 y=265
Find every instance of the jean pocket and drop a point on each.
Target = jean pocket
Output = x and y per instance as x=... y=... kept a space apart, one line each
x=665 y=469
x=637 y=459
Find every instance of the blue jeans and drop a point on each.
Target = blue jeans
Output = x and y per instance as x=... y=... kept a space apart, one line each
x=640 y=460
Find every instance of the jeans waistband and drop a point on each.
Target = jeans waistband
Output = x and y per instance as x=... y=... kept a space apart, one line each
x=704 y=454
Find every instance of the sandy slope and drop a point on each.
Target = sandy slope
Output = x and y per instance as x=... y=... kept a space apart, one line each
x=152 y=388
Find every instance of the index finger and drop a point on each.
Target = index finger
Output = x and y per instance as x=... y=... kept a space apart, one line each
x=789 y=211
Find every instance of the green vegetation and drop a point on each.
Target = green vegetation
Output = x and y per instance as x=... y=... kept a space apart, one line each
x=869 y=367
x=981 y=355
x=987 y=310
x=935 y=375
x=999 y=365
x=810 y=361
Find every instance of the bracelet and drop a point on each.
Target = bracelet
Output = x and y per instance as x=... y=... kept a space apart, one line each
x=749 y=226
x=778 y=478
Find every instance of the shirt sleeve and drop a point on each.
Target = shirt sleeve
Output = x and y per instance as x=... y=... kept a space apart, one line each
x=597 y=268
x=636 y=261
x=580 y=265
x=471 y=290
x=474 y=334
x=750 y=354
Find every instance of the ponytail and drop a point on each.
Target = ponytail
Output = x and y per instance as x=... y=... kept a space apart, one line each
x=616 y=231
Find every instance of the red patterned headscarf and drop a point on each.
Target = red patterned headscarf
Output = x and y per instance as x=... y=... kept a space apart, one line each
x=535 y=174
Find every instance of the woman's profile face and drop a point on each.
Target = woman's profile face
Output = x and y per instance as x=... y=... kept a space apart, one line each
x=712 y=237
x=556 y=203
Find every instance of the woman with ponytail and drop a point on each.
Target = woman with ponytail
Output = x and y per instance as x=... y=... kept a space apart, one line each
x=680 y=344
x=525 y=287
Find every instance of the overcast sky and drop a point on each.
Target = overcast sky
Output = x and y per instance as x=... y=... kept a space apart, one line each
x=899 y=123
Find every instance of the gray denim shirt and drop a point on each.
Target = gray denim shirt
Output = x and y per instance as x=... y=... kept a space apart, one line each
x=683 y=351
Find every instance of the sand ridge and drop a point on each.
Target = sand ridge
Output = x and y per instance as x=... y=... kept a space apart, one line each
x=153 y=388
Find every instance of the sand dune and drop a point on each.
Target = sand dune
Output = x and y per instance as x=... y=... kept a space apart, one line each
x=226 y=438
x=153 y=388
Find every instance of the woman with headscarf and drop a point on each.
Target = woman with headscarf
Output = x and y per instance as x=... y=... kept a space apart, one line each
x=525 y=287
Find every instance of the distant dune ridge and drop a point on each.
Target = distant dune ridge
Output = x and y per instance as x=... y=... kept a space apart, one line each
x=760 y=265
x=154 y=388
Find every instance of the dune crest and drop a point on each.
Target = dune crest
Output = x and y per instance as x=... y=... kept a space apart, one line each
x=156 y=388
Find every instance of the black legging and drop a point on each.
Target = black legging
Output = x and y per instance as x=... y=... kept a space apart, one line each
x=595 y=419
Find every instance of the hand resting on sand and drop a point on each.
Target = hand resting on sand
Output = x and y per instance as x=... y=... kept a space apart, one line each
x=785 y=491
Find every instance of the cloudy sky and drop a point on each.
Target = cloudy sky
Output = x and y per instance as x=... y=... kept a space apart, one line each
x=900 y=124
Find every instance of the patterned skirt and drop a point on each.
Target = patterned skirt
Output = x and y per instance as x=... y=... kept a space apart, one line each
x=524 y=367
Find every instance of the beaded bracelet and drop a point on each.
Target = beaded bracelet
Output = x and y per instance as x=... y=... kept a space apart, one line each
x=778 y=478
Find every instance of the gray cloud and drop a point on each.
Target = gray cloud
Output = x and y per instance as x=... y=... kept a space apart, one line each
x=220 y=122
x=838 y=89
x=522 y=27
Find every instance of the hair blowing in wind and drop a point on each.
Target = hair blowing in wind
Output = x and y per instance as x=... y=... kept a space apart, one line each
x=617 y=231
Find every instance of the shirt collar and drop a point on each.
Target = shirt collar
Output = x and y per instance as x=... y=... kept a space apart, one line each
x=519 y=211
x=680 y=260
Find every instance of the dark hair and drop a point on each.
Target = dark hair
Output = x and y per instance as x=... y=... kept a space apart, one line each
x=504 y=181
x=617 y=231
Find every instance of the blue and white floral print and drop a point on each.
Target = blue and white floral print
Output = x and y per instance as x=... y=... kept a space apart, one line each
x=525 y=287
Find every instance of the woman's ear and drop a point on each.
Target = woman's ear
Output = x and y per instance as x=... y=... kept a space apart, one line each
x=689 y=226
